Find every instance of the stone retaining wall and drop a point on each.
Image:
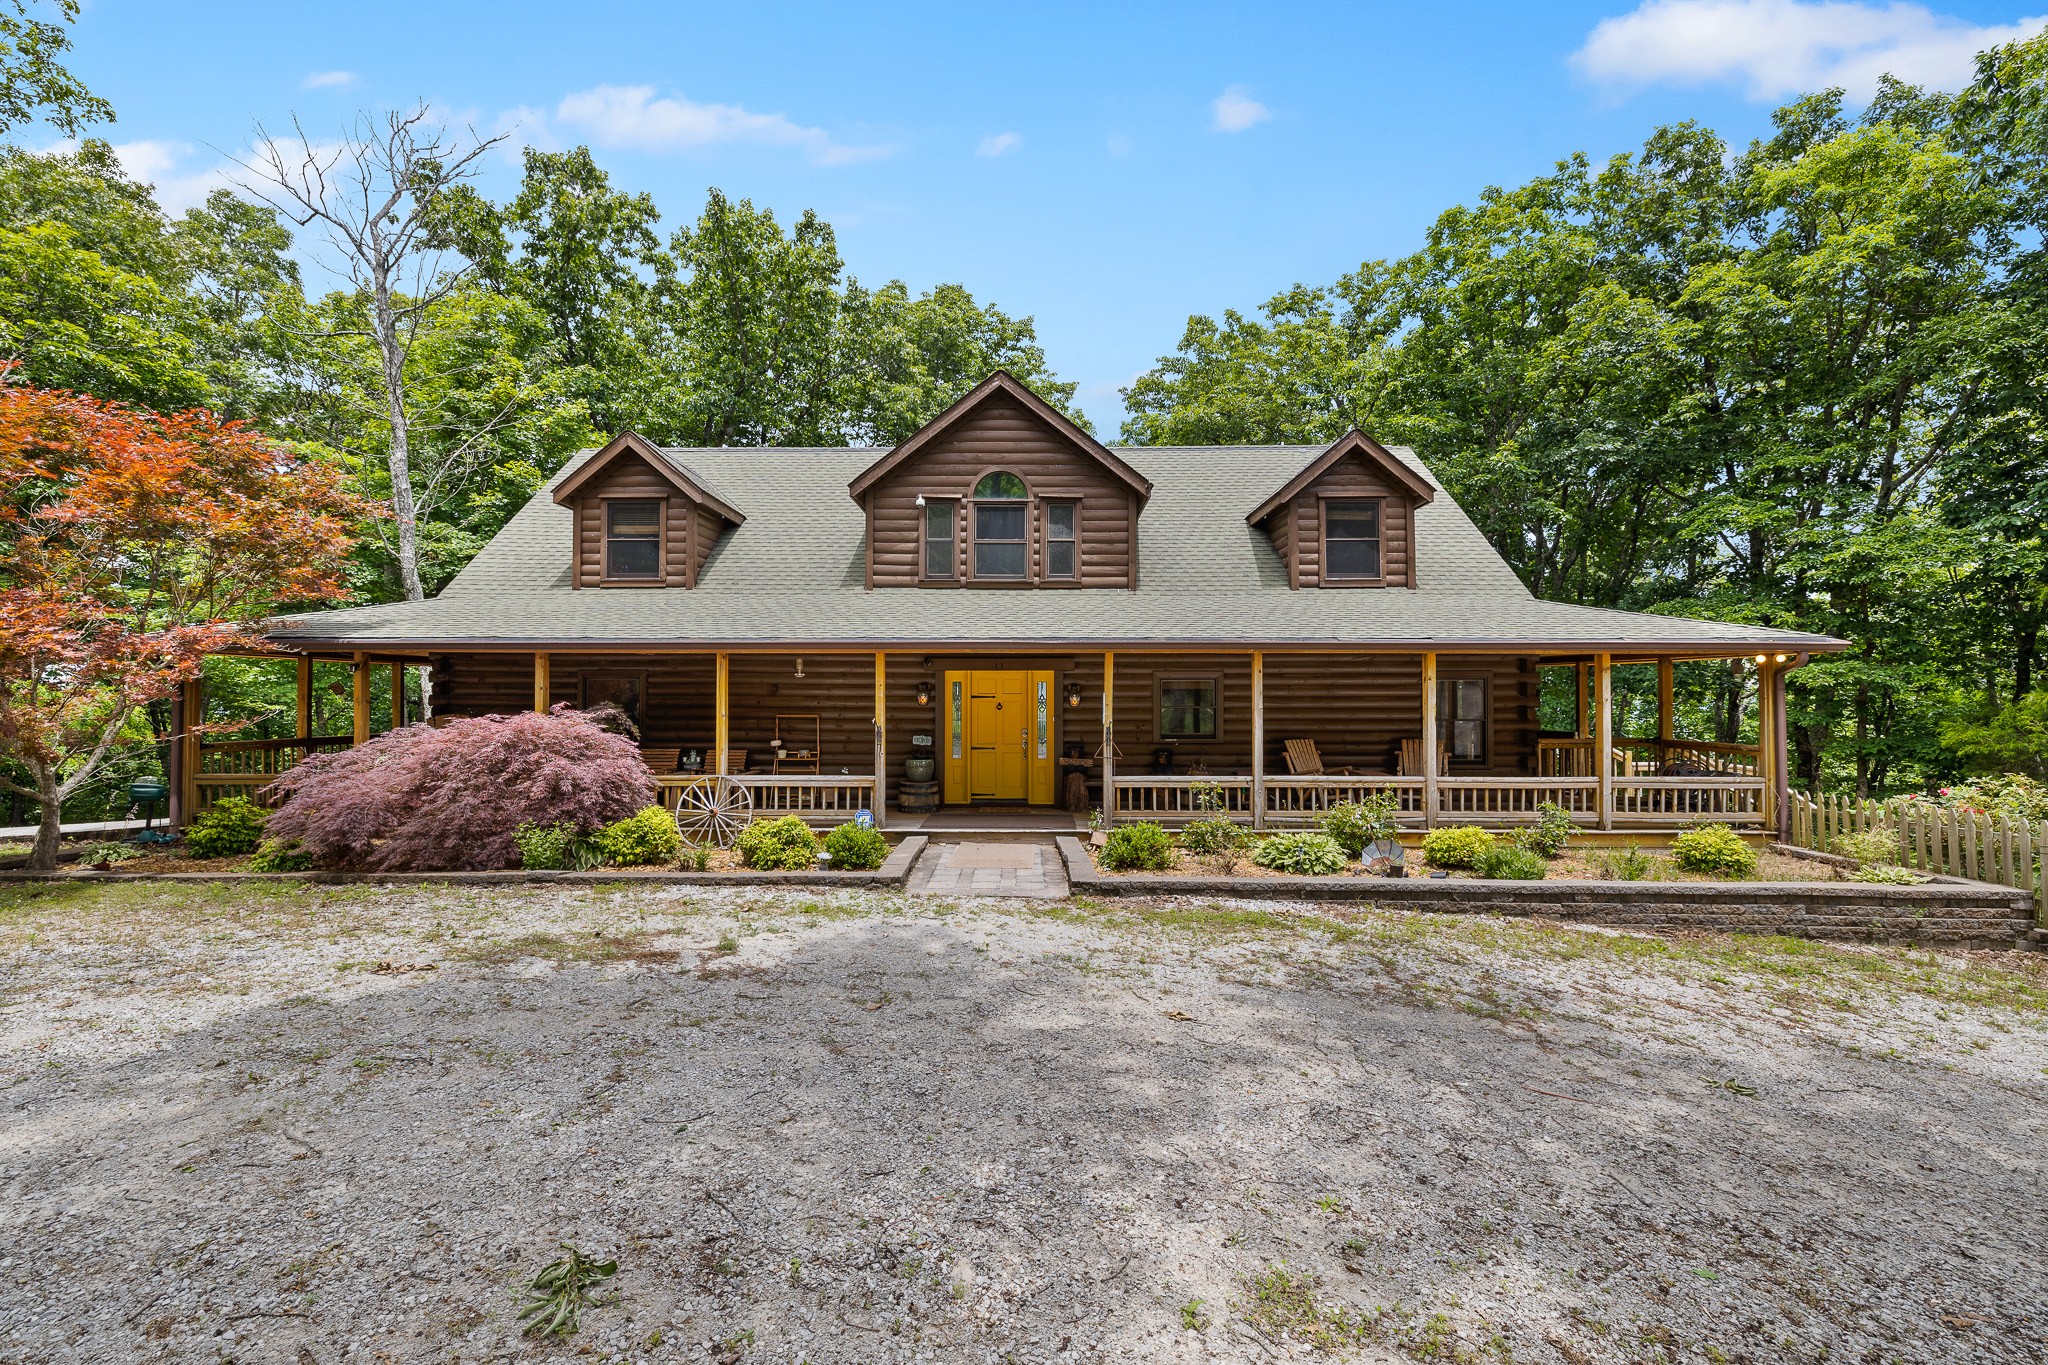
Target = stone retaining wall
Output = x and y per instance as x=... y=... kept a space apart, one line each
x=1950 y=914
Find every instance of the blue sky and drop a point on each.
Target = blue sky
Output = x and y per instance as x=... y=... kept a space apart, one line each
x=1108 y=169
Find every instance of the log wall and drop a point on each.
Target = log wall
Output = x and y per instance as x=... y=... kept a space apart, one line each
x=1297 y=529
x=1001 y=435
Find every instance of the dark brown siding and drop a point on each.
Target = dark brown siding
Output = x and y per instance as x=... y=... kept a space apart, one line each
x=709 y=527
x=677 y=709
x=630 y=477
x=1002 y=436
x=1298 y=528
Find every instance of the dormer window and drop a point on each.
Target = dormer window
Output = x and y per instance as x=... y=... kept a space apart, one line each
x=1002 y=519
x=1351 y=538
x=632 y=539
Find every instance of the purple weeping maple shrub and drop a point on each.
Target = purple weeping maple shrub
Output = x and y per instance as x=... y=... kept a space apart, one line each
x=423 y=799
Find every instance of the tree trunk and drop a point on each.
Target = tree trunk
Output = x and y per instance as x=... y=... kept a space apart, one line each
x=50 y=830
x=399 y=457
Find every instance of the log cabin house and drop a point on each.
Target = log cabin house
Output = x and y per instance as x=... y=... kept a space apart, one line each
x=1067 y=626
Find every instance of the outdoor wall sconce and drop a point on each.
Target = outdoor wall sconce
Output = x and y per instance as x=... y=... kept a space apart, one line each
x=799 y=665
x=1073 y=694
x=924 y=692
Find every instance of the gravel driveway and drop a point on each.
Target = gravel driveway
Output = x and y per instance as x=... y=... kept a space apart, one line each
x=348 y=1124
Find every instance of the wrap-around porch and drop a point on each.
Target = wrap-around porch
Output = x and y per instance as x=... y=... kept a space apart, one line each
x=1272 y=737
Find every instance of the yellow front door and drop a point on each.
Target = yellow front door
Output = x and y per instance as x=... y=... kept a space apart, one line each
x=998 y=742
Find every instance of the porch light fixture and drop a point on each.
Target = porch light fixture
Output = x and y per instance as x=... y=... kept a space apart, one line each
x=924 y=692
x=1761 y=659
x=800 y=665
x=1073 y=694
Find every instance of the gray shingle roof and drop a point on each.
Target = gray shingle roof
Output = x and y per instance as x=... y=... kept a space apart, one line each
x=795 y=574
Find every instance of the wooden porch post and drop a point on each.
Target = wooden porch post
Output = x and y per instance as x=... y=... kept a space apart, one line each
x=1108 y=738
x=1603 y=734
x=1664 y=708
x=359 y=684
x=189 y=711
x=305 y=696
x=1429 y=741
x=1580 y=714
x=881 y=740
x=721 y=714
x=398 y=696
x=1767 y=741
x=1258 y=739
x=543 y=685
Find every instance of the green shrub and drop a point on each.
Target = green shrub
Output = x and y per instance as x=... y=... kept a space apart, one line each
x=646 y=837
x=1627 y=864
x=1869 y=846
x=281 y=855
x=109 y=853
x=856 y=848
x=1307 y=853
x=555 y=848
x=1551 y=832
x=785 y=845
x=1457 y=846
x=1213 y=838
x=1143 y=847
x=1512 y=863
x=1354 y=824
x=228 y=828
x=1715 y=850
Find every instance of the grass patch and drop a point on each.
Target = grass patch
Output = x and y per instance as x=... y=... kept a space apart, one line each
x=1287 y=1305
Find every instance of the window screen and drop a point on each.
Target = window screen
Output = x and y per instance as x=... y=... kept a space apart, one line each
x=1059 y=540
x=999 y=539
x=632 y=547
x=1351 y=538
x=938 y=539
x=1187 y=708
x=1461 y=718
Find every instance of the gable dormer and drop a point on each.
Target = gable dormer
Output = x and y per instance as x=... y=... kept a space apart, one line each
x=1001 y=490
x=641 y=520
x=1348 y=520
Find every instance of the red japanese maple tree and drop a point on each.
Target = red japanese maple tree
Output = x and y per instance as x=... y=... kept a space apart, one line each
x=132 y=545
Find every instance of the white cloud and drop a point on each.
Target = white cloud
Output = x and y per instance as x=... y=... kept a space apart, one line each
x=996 y=144
x=1236 y=110
x=157 y=163
x=632 y=117
x=1775 y=48
x=327 y=80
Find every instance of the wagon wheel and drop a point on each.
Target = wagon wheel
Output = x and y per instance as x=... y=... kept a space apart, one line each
x=714 y=812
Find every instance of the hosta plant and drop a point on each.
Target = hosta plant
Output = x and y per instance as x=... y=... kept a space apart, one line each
x=1306 y=854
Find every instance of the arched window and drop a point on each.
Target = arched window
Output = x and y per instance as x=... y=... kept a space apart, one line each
x=1002 y=521
x=1001 y=484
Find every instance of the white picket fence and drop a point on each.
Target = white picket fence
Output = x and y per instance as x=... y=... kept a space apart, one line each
x=1987 y=848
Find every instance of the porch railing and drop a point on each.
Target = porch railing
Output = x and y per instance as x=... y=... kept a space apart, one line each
x=1635 y=802
x=244 y=767
x=818 y=799
x=1171 y=800
x=1637 y=756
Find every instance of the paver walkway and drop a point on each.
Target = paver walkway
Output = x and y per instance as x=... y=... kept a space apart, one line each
x=975 y=868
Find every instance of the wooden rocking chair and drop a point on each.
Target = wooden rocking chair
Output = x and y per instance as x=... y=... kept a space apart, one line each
x=1411 y=758
x=1304 y=761
x=661 y=760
